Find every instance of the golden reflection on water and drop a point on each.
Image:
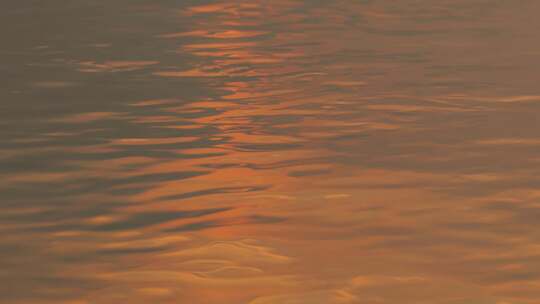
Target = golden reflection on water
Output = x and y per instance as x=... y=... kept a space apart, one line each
x=344 y=152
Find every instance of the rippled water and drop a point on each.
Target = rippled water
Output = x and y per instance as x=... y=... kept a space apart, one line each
x=270 y=152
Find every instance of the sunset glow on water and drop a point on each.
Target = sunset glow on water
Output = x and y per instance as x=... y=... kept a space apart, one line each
x=270 y=152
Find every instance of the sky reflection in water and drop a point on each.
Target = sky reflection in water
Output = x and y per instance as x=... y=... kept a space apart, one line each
x=270 y=152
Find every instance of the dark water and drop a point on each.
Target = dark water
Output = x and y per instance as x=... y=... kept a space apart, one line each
x=270 y=152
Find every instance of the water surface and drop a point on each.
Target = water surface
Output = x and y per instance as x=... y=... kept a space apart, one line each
x=270 y=152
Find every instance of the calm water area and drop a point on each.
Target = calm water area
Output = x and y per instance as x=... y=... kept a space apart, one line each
x=270 y=152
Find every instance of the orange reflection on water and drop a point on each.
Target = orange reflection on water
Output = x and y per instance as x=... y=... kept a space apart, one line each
x=316 y=153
